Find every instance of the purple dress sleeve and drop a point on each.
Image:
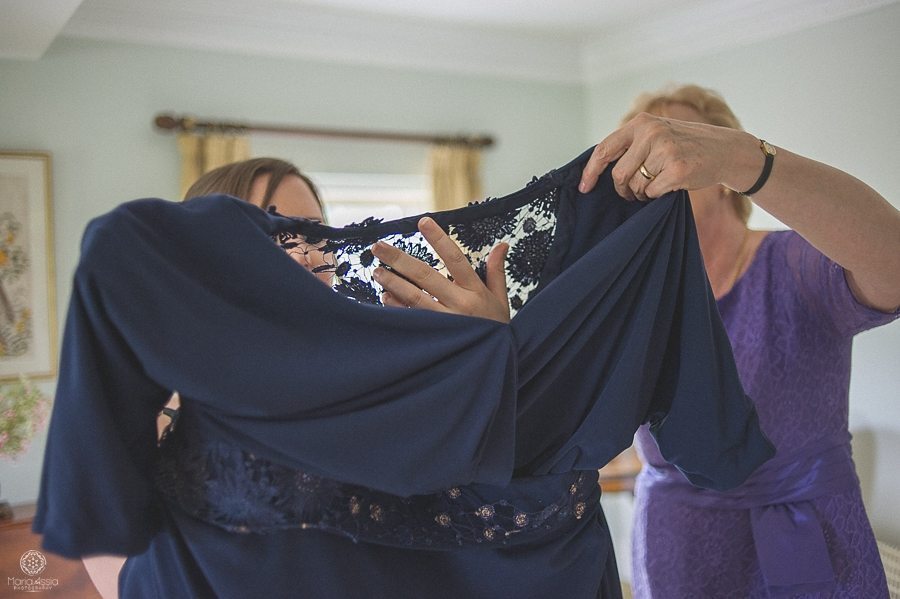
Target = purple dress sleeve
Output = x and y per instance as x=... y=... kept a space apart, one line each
x=822 y=285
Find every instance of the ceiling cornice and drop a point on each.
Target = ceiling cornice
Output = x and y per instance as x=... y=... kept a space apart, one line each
x=28 y=27
x=271 y=28
x=706 y=28
x=284 y=29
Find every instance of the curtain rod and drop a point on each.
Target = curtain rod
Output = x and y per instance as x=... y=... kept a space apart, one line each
x=186 y=123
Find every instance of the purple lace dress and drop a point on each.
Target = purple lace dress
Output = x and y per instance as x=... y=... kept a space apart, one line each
x=791 y=319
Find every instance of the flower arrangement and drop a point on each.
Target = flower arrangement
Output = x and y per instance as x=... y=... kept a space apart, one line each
x=23 y=410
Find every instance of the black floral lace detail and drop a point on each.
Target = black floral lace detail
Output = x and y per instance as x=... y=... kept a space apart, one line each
x=367 y=258
x=529 y=229
x=361 y=291
x=482 y=232
x=418 y=250
x=527 y=259
x=238 y=491
x=546 y=205
x=355 y=263
x=351 y=244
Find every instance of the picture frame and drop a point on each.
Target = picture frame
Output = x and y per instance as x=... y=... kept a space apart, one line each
x=28 y=331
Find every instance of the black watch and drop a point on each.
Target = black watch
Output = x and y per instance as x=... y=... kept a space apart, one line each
x=769 y=151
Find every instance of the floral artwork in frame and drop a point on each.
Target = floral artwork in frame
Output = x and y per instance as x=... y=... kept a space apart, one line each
x=27 y=287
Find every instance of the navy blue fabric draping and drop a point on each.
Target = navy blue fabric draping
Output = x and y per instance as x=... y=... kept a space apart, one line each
x=196 y=297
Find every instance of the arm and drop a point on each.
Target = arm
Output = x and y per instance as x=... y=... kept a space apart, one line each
x=104 y=573
x=841 y=216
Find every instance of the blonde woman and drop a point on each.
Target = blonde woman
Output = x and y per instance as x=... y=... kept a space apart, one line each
x=791 y=302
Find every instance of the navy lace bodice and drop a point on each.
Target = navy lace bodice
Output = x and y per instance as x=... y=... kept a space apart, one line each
x=526 y=221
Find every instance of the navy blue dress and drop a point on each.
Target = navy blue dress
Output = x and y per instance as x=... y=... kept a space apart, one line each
x=331 y=447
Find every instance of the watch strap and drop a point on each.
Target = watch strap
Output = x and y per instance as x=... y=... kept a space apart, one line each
x=767 y=169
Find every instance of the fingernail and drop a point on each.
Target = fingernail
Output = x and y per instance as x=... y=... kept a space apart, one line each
x=377 y=273
x=582 y=187
x=426 y=221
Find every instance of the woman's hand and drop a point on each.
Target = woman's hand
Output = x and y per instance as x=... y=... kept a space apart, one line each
x=424 y=287
x=839 y=215
x=675 y=155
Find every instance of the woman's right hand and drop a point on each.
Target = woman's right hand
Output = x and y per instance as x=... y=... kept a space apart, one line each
x=423 y=287
x=839 y=215
x=676 y=155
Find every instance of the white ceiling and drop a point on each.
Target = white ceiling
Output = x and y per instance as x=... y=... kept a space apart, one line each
x=564 y=16
x=555 y=40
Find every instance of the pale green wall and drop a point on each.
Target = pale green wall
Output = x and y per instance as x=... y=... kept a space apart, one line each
x=831 y=93
x=92 y=105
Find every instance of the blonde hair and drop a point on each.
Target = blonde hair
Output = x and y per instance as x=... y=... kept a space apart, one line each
x=711 y=107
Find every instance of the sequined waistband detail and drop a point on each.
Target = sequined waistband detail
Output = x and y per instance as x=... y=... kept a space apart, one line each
x=231 y=488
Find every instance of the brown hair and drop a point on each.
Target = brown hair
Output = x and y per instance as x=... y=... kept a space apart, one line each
x=237 y=178
x=712 y=108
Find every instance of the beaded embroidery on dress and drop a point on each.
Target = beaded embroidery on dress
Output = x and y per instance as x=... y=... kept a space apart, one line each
x=229 y=487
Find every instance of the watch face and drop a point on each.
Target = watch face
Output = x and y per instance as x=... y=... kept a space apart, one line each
x=768 y=148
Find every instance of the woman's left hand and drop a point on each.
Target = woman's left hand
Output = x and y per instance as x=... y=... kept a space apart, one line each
x=424 y=287
x=675 y=155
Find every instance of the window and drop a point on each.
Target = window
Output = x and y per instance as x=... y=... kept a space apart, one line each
x=351 y=197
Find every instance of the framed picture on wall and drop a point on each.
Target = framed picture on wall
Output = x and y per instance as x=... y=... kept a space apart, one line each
x=27 y=285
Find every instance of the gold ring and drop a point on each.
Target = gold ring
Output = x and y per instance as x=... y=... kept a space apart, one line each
x=645 y=173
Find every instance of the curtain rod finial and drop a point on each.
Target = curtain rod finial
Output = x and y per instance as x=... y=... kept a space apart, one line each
x=166 y=121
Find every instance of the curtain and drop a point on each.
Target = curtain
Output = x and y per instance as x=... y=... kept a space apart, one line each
x=455 y=175
x=200 y=153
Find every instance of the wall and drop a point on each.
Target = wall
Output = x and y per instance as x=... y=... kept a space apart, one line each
x=830 y=93
x=92 y=105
